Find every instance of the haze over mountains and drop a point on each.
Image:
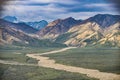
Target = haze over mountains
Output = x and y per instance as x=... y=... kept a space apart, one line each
x=36 y=24
x=10 y=19
x=18 y=26
x=99 y=30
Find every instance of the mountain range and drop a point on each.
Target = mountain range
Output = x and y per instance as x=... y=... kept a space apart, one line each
x=20 y=34
x=10 y=19
x=18 y=26
x=57 y=27
x=36 y=24
x=99 y=30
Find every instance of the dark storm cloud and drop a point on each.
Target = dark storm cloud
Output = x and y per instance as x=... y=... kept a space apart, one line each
x=2 y=3
x=116 y=4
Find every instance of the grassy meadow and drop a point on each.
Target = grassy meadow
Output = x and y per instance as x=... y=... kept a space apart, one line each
x=103 y=59
x=19 y=54
x=8 y=72
x=12 y=72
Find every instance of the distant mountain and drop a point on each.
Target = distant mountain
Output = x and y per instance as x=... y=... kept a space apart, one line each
x=13 y=36
x=100 y=30
x=38 y=25
x=57 y=27
x=10 y=19
x=104 y=20
x=19 y=26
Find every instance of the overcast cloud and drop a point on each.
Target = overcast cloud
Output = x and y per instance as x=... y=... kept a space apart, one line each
x=36 y=10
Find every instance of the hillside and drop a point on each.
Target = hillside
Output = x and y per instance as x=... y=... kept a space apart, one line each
x=34 y=24
x=92 y=34
x=57 y=27
x=95 y=31
x=19 y=26
x=14 y=36
x=99 y=30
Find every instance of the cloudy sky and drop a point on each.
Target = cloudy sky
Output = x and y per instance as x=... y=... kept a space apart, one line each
x=36 y=10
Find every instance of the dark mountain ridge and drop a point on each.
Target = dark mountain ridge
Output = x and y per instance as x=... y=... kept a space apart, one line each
x=10 y=19
x=101 y=29
x=19 y=26
x=104 y=20
x=36 y=24
x=12 y=36
x=59 y=26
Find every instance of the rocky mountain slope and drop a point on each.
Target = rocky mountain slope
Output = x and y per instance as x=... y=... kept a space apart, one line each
x=19 y=26
x=98 y=30
x=13 y=36
x=92 y=34
x=57 y=27
x=104 y=20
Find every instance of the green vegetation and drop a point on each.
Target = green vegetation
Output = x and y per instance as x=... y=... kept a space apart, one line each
x=62 y=38
x=19 y=53
x=39 y=43
x=18 y=57
x=93 y=39
x=9 y=72
x=103 y=59
x=26 y=50
x=118 y=33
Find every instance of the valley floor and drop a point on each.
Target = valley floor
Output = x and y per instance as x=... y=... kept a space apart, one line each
x=46 y=62
x=14 y=65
